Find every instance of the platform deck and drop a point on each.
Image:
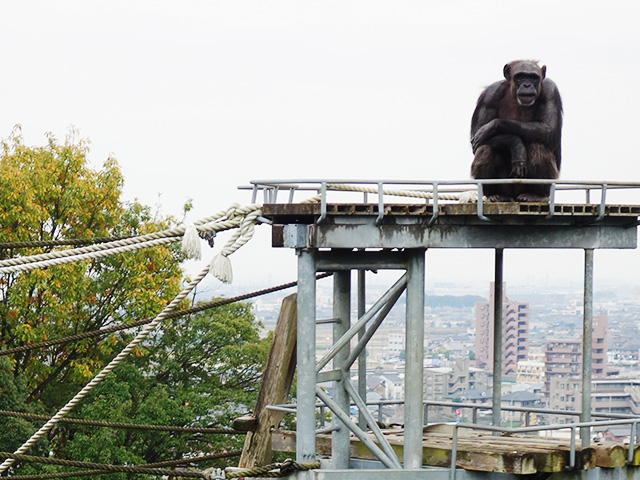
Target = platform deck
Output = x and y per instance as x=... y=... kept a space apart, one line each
x=289 y=212
x=479 y=451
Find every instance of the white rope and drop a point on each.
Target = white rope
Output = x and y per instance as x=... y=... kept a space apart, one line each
x=106 y=370
x=393 y=191
x=220 y=265
x=223 y=220
x=173 y=232
x=191 y=243
x=85 y=256
x=469 y=196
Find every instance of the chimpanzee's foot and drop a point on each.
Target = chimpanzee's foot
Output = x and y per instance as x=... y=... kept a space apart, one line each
x=531 y=197
x=499 y=198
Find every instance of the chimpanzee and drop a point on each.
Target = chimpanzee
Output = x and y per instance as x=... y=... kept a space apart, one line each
x=515 y=132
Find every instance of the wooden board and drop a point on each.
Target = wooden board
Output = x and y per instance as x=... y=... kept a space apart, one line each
x=276 y=382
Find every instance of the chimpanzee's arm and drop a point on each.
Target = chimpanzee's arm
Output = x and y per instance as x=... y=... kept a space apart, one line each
x=547 y=126
x=486 y=110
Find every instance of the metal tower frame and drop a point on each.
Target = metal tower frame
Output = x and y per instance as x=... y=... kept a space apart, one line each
x=344 y=237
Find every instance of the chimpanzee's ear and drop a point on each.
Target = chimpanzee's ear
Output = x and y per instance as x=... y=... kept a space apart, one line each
x=507 y=71
x=544 y=71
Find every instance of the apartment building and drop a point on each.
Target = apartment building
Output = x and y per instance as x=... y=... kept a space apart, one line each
x=563 y=357
x=615 y=395
x=515 y=333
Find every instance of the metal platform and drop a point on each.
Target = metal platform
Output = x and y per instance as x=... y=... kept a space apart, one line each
x=510 y=225
x=349 y=232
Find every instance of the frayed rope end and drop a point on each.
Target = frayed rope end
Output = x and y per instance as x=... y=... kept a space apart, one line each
x=470 y=196
x=221 y=268
x=191 y=243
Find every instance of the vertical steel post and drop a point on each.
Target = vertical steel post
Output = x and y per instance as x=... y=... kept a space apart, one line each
x=306 y=355
x=414 y=361
x=587 y=346
x=497 y=336
x=341 y=312
x=362 y=358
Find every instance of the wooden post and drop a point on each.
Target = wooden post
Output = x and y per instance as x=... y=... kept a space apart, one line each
x=276 y=383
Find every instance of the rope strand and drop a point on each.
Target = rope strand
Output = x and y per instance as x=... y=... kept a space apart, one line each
x=169 y=463
x=60 y=243
x=132 y=426
x=101 y=466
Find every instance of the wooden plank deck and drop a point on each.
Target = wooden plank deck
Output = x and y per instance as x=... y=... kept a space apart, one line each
x=284 y=212
x=482 y=451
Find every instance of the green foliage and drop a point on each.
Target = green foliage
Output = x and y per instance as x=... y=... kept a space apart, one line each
x=195 y=371
x=50 y=193
x=13 y=397
x=198 y=371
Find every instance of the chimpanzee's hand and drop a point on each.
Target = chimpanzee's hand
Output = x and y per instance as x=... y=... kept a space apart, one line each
x=483 y=134
x=518 y=169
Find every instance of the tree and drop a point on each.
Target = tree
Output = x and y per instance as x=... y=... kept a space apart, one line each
x=13 y=397
x=51 y=193
x=199 y=370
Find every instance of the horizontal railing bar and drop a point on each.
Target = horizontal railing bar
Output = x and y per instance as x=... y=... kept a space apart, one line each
x=579 y=184
x=488 y=406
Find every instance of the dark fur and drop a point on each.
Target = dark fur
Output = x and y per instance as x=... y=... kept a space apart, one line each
x=516 y=132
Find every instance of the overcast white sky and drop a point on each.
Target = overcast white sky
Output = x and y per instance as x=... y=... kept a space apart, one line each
x=195 y=98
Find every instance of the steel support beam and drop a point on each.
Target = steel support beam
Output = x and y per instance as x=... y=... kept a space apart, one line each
x=342 y=312
x=587 y=347
x=362 y=358
x=498 y=294
x=361 y=323
x=414 y=360
x=306 y=353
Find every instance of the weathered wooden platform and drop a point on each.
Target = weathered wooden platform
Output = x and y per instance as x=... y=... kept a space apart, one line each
x=304 y=212
x=515 y=454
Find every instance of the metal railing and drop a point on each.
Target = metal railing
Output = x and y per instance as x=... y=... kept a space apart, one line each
x=271 y=189
x=606 y=419
x=474 y=407
x=633 y=423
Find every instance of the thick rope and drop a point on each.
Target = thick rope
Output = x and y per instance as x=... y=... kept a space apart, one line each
x=127 y=326
x=169 y=463
x=393 y=191
x=59 y=243
x=106 y=370
x=469 y=196
x=274 y=470
x=224 y=220
x=101 y=466
x=220 y=266
x=118 y=242
x=31 y=262
x=131 y=426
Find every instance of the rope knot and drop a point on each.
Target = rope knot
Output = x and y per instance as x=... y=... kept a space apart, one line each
x=232 y=211
x=288 y=467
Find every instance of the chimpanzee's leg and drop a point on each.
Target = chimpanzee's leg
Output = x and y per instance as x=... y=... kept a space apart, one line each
x=541 y=163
